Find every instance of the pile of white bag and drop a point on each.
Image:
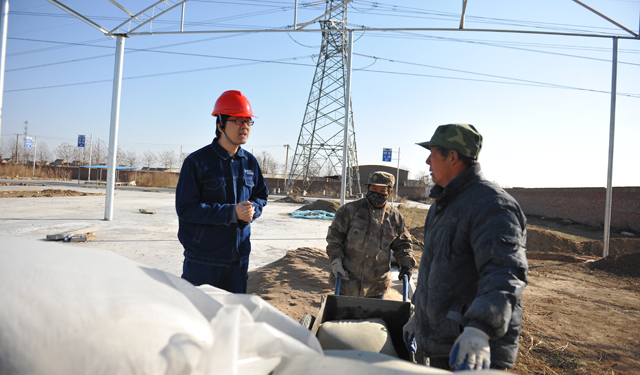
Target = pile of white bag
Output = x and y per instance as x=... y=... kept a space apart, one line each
x=74 y=310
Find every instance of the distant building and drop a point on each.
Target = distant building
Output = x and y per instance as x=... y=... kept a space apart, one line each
x=402 y=176
x=59 y=163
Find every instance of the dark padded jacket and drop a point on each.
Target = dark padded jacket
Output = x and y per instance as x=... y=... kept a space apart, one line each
x=211 y=183
x=473 y=269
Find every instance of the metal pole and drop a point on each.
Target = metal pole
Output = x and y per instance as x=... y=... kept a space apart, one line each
x=347 y=101
x=90 y=151
x=286 y=162
x=113 y=134
x=398 y=174
x=295 y=16
x=3 y=53
x=35 y=154
x=612 y=127
x=182 y=20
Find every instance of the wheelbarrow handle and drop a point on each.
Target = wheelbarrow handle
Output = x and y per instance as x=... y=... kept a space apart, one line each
x=338 y=280
x=405 y=288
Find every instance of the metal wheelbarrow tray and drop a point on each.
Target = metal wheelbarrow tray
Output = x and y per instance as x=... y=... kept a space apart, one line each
x=394 y=313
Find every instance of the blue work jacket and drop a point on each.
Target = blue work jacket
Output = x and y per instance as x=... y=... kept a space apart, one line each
x=211 y=183
x=473 y=269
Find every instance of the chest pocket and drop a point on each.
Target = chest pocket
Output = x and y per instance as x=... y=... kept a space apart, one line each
x=247 y=188
x=357 y=231
x=387 y=236
x=213 y=190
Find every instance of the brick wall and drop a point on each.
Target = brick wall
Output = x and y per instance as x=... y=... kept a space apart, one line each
x=583 y=205
x=332 y=188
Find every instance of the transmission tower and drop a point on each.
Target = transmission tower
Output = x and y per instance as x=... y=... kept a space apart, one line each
x=319 y=151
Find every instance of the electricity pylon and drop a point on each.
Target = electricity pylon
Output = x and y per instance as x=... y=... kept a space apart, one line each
x=319 y=151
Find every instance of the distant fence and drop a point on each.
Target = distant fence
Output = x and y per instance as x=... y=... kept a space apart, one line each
x=331 y=188
x=583 y=205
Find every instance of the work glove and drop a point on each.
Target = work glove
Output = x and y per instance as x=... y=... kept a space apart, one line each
x=409 y=335
x=336 y=268
x=470 y=351
x=404 y=270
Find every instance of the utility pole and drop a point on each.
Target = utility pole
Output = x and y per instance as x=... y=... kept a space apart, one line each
x=17 y=147
x=90 y=150
x=35 y=154
x=286 y=162
x=4 y=19
x=398 y=174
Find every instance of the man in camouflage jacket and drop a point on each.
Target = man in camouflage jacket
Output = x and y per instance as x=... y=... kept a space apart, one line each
x=360 y=240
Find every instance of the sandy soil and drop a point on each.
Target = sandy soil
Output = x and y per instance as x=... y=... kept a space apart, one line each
x=579 y=317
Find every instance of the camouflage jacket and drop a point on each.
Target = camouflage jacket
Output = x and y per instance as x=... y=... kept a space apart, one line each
x=363 y=236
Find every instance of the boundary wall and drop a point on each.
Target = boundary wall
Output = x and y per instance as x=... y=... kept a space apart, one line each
x=583 y=205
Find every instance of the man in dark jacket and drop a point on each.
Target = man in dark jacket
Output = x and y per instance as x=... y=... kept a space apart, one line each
x=467 y=303
x=220 y=192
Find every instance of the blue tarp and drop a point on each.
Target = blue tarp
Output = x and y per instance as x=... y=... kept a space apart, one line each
x=316 y=214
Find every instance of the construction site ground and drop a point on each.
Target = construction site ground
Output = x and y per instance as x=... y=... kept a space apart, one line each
x=581 y=311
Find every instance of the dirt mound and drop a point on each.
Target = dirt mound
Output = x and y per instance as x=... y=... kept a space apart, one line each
x=621 y=265
x=44 y=193
x=292 y=199
x=321 y=205
x=295 y=283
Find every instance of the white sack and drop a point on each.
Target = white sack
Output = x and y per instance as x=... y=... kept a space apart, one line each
x=370 y=335
x=66 y=309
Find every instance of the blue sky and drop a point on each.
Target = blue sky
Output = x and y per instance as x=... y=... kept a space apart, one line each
x=550 y=131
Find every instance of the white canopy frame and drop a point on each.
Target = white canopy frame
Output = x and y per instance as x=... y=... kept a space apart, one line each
x=163 y=6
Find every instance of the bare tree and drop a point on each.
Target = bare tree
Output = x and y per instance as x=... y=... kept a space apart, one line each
x=5 y=148
x=168 y=158
x=65 y=151
x=149 y=158
x=99 y=152
x=9 y=150
x=43 y=153
x=424 y=177
x=131 y=158
x=267 y=163
x=121 y=157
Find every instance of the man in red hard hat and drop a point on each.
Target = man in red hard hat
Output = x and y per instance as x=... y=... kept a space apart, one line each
x=220 y=192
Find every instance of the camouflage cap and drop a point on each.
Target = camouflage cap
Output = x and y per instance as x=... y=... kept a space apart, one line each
x=463 y=138
x=380 y=178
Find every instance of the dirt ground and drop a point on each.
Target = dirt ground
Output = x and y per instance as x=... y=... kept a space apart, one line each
x=44 y=193
x=581 y=311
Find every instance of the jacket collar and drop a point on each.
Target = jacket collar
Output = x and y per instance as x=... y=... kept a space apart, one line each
x=224 y=154
x=468 y=177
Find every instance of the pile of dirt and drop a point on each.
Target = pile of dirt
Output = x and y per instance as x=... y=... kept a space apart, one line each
x=322 y=205
x=292 y=199
x=621 y=265
x=44 y=193
x=295 y=283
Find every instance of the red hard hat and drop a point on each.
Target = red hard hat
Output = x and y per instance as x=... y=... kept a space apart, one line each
x=232 y=103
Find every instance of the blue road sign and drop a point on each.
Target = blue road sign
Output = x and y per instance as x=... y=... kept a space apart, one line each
x=386 y=154
x=81 y=141
x=28 y=143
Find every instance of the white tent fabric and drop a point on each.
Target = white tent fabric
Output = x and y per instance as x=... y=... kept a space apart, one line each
x=73 y=310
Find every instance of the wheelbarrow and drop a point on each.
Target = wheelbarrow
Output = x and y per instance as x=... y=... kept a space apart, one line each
x=394 y=313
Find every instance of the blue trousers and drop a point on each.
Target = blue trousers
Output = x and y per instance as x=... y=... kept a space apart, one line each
x=232 y=278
